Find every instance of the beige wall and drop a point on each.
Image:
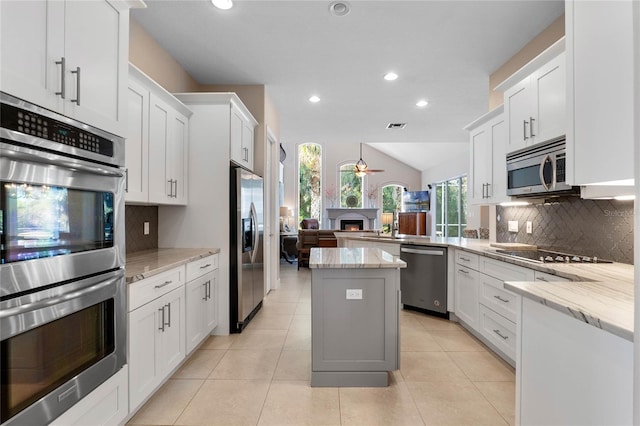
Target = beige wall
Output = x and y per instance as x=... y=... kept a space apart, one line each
x=146 y=54
x=537 y=45
x=157 y=63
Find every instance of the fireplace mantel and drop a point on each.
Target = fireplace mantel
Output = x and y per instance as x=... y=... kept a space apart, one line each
x=335 y=213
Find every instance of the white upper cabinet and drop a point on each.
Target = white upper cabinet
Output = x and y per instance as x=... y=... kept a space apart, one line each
x=242 y=142
x=535 y=100
x=488 y=173
x=72 y=57
x=157 y=143
x=600 y=91
x=137 y=144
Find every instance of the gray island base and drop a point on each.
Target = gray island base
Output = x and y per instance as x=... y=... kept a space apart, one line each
x=355 y=306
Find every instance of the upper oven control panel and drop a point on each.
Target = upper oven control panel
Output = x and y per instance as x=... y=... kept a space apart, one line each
x=41 y=126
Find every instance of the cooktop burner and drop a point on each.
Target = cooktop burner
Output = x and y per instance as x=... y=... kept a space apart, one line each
x=546 y=256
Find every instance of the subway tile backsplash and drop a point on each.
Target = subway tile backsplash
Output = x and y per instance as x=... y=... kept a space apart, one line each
x=602 y=228
x=135 y=216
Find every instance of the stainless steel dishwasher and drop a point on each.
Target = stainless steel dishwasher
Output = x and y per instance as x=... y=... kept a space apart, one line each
x=424 y=281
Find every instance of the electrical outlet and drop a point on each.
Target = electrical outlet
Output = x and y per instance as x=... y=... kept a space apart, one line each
x=354 y=294
x=529 y=227
x=513 y=226
x=146 y=228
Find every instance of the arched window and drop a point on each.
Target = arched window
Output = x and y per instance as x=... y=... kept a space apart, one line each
x=350 y=187
x=310 y=181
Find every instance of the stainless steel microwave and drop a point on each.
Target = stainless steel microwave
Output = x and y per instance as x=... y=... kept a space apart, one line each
x=539 y=170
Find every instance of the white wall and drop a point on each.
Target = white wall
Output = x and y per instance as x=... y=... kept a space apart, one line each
x=335 y=154
x=449 y=168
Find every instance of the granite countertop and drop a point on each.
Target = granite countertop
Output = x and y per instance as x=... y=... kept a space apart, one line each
x=600 y=294
x=147 y=263
x=353 y=258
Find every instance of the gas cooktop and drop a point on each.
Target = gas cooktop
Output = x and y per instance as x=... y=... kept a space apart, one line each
x=546 y=256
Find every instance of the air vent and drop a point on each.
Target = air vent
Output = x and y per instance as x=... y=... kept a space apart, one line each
x=396 y=125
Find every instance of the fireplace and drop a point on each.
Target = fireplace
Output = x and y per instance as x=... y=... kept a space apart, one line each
x=351 y=225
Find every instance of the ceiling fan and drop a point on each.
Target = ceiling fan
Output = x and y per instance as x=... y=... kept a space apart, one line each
x=361 y=168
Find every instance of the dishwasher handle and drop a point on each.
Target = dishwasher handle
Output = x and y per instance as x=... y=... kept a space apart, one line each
x=425 y=252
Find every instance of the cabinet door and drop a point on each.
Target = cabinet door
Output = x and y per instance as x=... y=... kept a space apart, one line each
x=247 y=143
x=176 y=157
x=481 y=155
x=137 y=144
x=159 y=120
x=549 y=87
x=211 y=307
x=467 y=295
x=238 y=153
x=517 y=107
x=96 y=42
x=196 y=298
x=144 y=324
x=31 y=42
x=170 y=349
x=499 y=139
x=600 y=61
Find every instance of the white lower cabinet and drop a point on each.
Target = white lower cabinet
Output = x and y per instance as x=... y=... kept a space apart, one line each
x=467 y=295
x=201 y=308
x=156 y=343
x=108 y=404
x=485 y=307
x=167 y=320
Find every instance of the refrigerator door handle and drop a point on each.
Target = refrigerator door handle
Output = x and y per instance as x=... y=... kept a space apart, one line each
x=254 y=233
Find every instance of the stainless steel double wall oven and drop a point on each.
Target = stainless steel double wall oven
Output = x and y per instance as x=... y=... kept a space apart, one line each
x=62 y=281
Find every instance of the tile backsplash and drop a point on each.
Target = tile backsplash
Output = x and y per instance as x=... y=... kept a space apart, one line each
x=602 y=228
x=135 y=216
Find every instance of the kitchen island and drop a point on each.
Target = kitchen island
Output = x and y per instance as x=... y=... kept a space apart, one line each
x=355 y=304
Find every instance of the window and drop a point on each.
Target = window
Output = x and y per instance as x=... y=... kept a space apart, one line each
x=350 y=186
x=451 y=207
x=310 y=181
x=391 y=203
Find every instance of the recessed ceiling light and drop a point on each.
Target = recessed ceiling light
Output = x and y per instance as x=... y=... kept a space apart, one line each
x=339 y=8
x=390 y=76
x=222 y=4
x=422 y=103
x=314 y=99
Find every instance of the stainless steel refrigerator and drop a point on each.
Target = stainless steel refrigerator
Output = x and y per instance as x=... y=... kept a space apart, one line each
x=246 y=254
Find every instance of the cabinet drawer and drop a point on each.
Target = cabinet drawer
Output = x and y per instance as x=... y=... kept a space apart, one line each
x=499 y=331
x=467 y=259
x=145 y=291
x=543 y=276
x=199 y=267
x=494 y=296
x=505 y=271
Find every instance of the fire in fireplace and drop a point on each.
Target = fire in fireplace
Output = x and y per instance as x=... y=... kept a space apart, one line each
x=351 y=225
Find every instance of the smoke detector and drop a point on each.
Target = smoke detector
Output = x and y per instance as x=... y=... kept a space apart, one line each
x=339 y=8
x=396 y=125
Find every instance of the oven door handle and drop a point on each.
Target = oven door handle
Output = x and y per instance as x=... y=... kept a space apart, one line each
x=34 y=306
x=28 y=154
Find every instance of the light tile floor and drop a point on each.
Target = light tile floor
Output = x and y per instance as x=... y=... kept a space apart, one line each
x=261 y=377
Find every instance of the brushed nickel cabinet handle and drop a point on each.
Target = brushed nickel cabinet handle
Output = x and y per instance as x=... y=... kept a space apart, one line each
x=161 y=328
x=463 y=271
x=531 y=120
x=500 y=334
x=164 y=284
x=501 y=299
x=168 y=305
x=524 y=129
x=63 y=66
x=205 y=291
x=77 y=73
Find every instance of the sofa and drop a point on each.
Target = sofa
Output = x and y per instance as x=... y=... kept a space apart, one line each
x=309 y=238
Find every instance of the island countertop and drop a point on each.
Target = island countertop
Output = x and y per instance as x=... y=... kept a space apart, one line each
x=353 y=258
